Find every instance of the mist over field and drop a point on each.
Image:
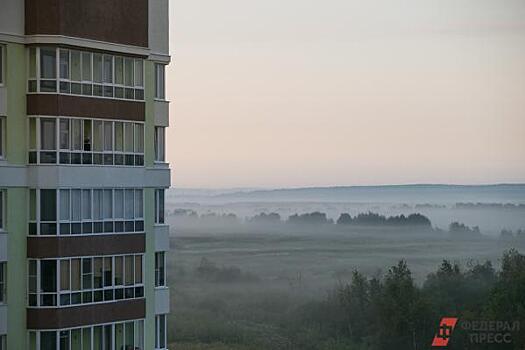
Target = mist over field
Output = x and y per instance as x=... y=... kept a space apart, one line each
x=249 y=267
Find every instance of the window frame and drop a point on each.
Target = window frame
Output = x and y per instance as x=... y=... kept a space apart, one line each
x=3 y=282
x=88 y=292
x=77 y=222
x=160 y=81
x=85 y=86
x=77 y=153
x=159 y=140
x=3 y=64
x=160 y=271
x=160 y=219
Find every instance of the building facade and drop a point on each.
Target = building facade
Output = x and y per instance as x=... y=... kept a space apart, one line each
x=83 y=112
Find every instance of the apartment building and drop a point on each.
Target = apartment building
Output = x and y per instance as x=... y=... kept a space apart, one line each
x=83 y=113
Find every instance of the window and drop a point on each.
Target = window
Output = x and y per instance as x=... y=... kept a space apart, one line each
x=160 y=144
x=2 y=137
x=85 y=211
x=2 y=210
x=48 y=70
x=85 y=141
x=118 y=336
x=159 y=206
x=3 y=282
x=75 y=281
x=3 y=342
x=160 y=271
x=2 y=64
x=85 y=73
x=160 y=332
x=159 y=81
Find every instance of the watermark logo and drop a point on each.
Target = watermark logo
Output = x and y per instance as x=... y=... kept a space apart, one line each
x=477 y=331
x=446 y=327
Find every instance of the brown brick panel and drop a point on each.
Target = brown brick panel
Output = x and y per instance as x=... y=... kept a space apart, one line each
x=57 y=318
x=85 y=107
x=107 y=244
x=116 y=21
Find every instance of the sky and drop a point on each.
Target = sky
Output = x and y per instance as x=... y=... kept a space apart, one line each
x=273 y=93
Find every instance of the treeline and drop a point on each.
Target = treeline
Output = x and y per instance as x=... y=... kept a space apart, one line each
x=392 y=312
x=313 y=218
x=469 y=205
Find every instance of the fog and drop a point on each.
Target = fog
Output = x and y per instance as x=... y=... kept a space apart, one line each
x=233 y=269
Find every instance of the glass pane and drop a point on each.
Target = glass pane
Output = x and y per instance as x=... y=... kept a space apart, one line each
x=108 y=204
x=86 y=338
x=119 y=70
x=32 y=204
x=129 y=335
x=48 y=340
x=138 y=269
x=138 y=73
x=108 y=136
x=108 y=69
x=64 y=64
x=48 y=205
x=119 y=203
x=87 y=135
x=32 y=62
x=75 y=65
x=48 y=272
x=75 y=274
x=86 y=204
x=75 y=205
x=119 y=137
x=97 y=204
x=128 y=132
x=86 y=66
x=139 y=138
x=32 y=133
x=97 y=272
x=76 y=127
x=64 y=205
x=76 y=339
x=97 y=135
x=64 y=133
x=97 y=338
x=48 y=134
x=139 y=206
x=107 y=272
x=64 y=274
x=129 y=264
x=47 y=63
x=128 y=204
x=128 y=70
x=119 y=336
x=119 y=272
x=97 y=68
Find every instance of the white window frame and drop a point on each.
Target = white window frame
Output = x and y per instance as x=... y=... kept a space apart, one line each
x=157 y=269
x=157 y=206
x=137 y=88
x=3 y=135
x=137 y=214
x=138 y=332
x=2 y=64
x=160 y=81
x=3 y=211
x=113 y=287
x=160 y=144
x=3 y=282
x=162 y=318
x=136 y=153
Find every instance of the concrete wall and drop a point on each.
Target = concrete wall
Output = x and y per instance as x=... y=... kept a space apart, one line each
x=12 y=17
x=159 y=29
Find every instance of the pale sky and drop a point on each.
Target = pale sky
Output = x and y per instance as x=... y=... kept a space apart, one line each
x=290 y=93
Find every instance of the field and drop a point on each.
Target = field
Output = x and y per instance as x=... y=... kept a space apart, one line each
x=260 y=278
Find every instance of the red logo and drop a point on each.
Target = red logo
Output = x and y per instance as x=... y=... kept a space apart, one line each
x=446 y=326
